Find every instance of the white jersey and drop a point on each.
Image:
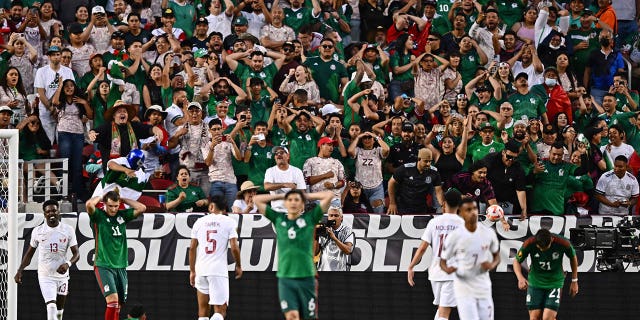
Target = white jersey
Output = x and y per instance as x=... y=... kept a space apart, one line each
x=617 y=189
x=52 y=245
x=436 y=232
x=467 y=251
x=213 y=232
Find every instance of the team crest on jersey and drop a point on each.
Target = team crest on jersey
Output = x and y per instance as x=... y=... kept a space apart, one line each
x=120 y=220
x=301 y=223
x=519 y=254
x=428 y=179
x=284 y=304
x=491 y=150
x=262 y=74
x=332 y=67
x=537 y=255
x=284 y=224
x=555 y=256
x=477 y=192
x=561 y=172
x=628 y=187
x=106 y=288
x=532 y=100
x=63 y=240
x=299 y=15
x=308 y=137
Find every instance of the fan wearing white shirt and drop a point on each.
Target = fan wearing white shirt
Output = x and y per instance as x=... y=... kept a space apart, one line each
x=52 y=240
x=210 y=238
x=434 y=235
x=470 y=253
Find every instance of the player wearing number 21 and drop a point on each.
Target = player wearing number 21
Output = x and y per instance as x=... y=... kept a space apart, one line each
x=470 y=253
x=109 y=225
x=210 y=238
x=53 y=240
x=546 y=275
x=294 y=238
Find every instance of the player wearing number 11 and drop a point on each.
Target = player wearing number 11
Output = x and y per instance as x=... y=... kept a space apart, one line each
x=546 y=275
x=210 y=238
x=109 y=225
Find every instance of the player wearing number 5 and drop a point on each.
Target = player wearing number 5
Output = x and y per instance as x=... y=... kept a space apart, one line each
x=294 y=236
x=436 y=232
x=109 y=225
x=52 y=239
x=546 y=275
x=210 y=238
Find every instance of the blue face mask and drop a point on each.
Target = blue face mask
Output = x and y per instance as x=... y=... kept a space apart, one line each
x=550 y=82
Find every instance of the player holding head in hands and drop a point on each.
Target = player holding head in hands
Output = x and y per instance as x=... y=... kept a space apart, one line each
x=294 y=236
x=546 y=275
x=210 y=238
x=53 y=240
x=436 y=232
x=470 y=253
x=109 y=224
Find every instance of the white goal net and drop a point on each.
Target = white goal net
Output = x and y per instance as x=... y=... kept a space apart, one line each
x=9 y=254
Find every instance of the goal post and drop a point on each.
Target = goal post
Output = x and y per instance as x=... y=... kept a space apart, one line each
x=9 y=252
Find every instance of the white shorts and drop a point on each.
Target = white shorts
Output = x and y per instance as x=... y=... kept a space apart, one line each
x=470 y=308
x=216 y=287
x=443 y=294
x=52 y=287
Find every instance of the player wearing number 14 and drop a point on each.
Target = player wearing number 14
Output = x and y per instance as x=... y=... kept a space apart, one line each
x=546 y=275
x=210 y=238
x=52 y=239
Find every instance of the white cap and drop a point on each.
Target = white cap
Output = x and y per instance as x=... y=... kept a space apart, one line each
x=365 y=77
x=329 y=109
x=5 y=108
x=98 y=9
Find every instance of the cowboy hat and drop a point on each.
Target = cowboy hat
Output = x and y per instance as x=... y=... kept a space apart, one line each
x=246 y=186
x=131 y=110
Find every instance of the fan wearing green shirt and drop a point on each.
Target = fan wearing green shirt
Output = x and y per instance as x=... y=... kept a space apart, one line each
x=303 y=138
x=546 y=274
x=258 y=154
x=256 y=67
x=294 y=237
x=109 y=225
x=330 y=75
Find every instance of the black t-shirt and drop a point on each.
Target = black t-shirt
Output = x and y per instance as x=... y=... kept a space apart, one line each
x=413 y=187
x=401 y=154
x=143 y=37
x=104 y=139
x=505 y=180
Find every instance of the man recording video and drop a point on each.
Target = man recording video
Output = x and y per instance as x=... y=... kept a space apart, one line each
x=335 y=242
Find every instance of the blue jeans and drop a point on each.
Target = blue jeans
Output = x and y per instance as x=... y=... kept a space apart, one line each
x=70 y=146
x=375 y=193
x=598 y=94
x=225 y=189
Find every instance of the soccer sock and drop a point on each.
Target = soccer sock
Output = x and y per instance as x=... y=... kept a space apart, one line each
x=203 y=318
x=52 y=309
x=441 y=318
x=112 y=312
x=217 y=316
x=60 y=312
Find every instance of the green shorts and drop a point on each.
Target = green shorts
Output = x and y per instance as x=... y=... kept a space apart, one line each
x=112 y=281
x=539 y=299
x=298 y=294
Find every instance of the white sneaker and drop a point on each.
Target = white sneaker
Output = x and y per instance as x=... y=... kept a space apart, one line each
x=59 y=186
x=37 y=187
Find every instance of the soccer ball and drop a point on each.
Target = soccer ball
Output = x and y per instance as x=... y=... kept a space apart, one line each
x=495 y=213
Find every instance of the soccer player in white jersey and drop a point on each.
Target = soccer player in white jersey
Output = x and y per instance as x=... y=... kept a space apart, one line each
x=470 y=253
x=52 y=240
x=437 y=230
x=210 y=238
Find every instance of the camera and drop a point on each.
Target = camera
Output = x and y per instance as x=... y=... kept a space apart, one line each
x=321 y=229
x=613 y=245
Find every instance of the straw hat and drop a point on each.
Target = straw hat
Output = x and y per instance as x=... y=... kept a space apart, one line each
x=246 y=186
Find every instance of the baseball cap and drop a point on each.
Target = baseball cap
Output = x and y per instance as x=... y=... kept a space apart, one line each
x=371 y=47
x=200 y=53
x=522 y=75
x=168 y=13
x=587 y=12
x=98 y=9
x=289 y=44
x=93 y=55
x=117 y=35
x=549 y=129
x=329 y=109
x=277 y=148
x=6 y=108
x=407 y=127
x=157 y=108
x=194 y=104
x=588 y=133
x=430 y=3
x=553 y=69
x=485 y=126
x=524 y=122
x=325 y=140
x=202 y=20
x=53 y=49
x=241 y=20
x=75 y=28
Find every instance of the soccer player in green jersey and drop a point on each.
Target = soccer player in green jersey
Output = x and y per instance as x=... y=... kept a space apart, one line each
x=294 y=236
x=111 y=253
x=546 y=275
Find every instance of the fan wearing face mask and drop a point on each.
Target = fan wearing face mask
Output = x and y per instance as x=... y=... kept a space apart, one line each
x=553 y=95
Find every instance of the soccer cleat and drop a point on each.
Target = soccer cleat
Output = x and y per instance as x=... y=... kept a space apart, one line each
x=37 y=187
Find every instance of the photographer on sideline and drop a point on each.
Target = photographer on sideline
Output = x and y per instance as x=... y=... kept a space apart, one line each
x=334 y=243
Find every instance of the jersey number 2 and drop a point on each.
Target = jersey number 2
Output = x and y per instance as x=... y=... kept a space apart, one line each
x=211 y=243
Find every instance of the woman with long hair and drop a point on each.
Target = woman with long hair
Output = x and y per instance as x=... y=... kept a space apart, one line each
x=98 y=98
x=152 y=89
x=185 y=197
x=452 y=79
x=525 y=30
x=402 y=62
x=449 y=158
x=35 y=145
x=71 y=111
x=82 y=15
x=301 y=80
x=505 y=79
x=566 y=76
x=13 y=94
x=370 y=151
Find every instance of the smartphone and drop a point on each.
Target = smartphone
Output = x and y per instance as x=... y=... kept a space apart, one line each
x=176 y=60
x=33 y=11
x=493 y=70
x=243 y=118
x=260 y=137
x=276 y=101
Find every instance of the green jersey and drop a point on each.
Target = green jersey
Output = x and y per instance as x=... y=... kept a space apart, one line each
x=529 y=105
x=622 y=101
x=302 y=146
x=260 y=110
x=193 y=194
x=139 y=77
x=550 y=186
x=245 y=72
x=546 y=270
x=261 y=160
x=510 y=11
x=111 y=238
x=295 y=242
x=328 y=75
x=298 y=18
x=185 y=17
x=213 y=103
x=350 y=116
x=399 y=60
x=240 y=168
x=479 y=150
x=491 y=105
x=278 y=136
x=469 y=63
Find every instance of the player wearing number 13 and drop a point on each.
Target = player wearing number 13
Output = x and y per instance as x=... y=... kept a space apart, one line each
x=109 y=225
x=210 y=238
x=52 y=239
x=546 y=275
x=294 y=235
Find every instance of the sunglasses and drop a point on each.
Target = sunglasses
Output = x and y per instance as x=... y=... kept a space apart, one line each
x=433 y=39
x=287 y=49
x=278 y=153
x=509 y=157
x=222 y=87
x=327 y=47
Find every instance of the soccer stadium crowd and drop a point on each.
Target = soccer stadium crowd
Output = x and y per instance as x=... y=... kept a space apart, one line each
x=524 y=103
